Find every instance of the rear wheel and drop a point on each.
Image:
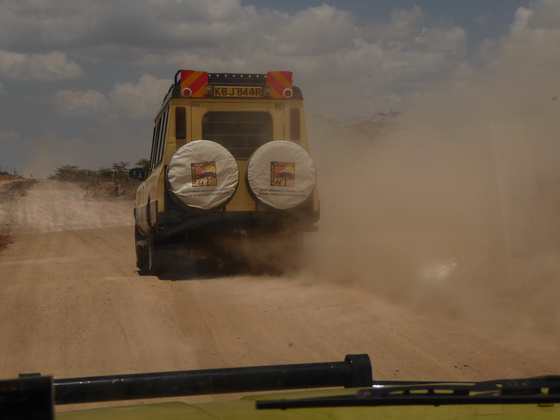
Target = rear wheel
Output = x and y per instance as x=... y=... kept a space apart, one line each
x=155 y=256
x=141 y=245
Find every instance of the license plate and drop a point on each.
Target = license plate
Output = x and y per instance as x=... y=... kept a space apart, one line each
x=237 y=91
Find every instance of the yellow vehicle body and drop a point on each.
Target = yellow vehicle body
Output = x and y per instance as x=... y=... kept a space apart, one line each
x=153 y=189
x=245 y=409
x=242 y=113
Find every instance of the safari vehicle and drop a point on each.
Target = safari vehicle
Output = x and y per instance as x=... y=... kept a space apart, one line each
x=229 y=159
x=34 y=397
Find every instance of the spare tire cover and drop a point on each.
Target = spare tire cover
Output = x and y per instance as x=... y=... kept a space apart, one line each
x=203 y=174
x=281 y=174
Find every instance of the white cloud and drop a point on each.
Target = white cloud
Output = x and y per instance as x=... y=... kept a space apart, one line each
x=139 y=100
x=80 y=102
x=135 y=100
x=226 y=36
x=522 y=16
x=50 y=66
x=452 y=39
x=195 y=10
x=32 y=25
x=402 y=25
x=310 y=32
x=323 y=45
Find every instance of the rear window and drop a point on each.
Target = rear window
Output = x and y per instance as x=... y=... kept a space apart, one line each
x=241 y=132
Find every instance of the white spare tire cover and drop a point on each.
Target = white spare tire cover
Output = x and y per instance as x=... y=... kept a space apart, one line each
x=203 y=174
x=281 y=174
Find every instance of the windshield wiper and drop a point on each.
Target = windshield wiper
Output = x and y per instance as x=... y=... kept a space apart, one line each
x=538 y=390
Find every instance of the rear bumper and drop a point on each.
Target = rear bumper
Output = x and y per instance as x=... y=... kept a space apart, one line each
x=173 y=222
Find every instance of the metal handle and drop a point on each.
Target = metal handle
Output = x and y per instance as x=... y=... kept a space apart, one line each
x=354 y=371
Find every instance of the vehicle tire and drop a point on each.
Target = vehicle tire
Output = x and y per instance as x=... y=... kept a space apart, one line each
x=141 y=245
x=281 y=174
x=203 y=175
x=156 y=264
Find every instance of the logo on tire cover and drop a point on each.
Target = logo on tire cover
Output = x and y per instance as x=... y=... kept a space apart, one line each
x=283 y=174
x=203 y=174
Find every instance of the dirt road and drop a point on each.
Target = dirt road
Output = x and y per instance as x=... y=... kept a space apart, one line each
x=73 y=305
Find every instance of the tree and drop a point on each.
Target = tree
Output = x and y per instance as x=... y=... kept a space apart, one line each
x=120 y=169
x=69 y=173
x=143 y=163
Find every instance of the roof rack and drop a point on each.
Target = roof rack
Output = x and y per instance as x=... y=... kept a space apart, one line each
x=201 y=84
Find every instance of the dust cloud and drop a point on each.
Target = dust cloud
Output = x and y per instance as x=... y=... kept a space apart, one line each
x=52 y=206
x=453 y=205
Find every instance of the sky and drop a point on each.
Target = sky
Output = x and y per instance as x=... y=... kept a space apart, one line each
x=80 y=81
